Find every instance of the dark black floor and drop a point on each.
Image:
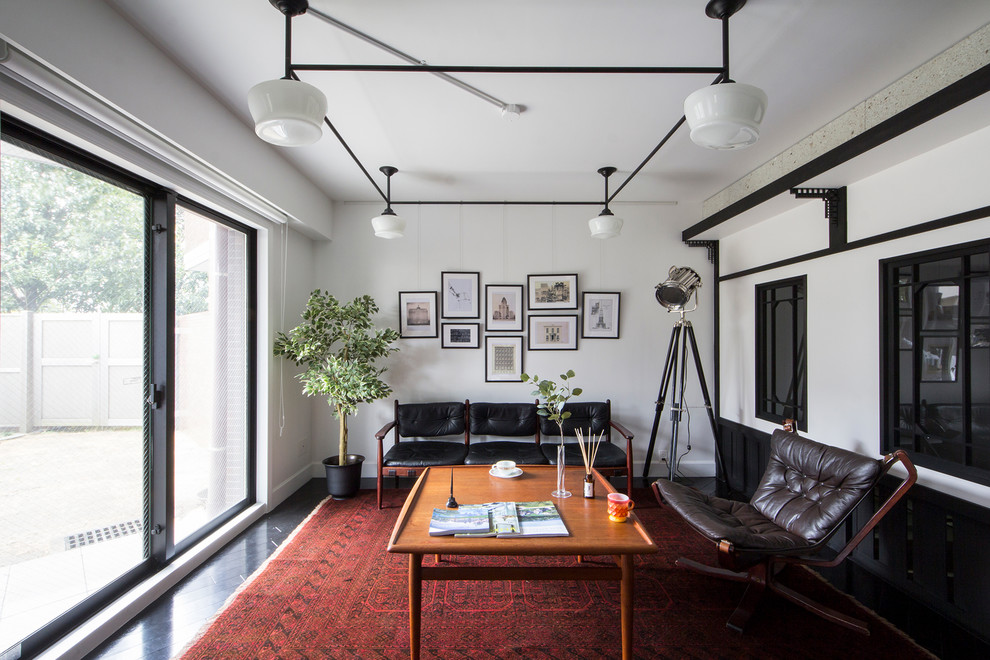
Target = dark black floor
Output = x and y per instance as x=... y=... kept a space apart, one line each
x=166 y=627
x=162 y=630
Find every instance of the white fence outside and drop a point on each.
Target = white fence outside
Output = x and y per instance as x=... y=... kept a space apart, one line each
x=70 y=370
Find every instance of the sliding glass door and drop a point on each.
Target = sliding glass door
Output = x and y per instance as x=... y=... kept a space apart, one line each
x=72 y=442
x=126 y=390
x=212 y=342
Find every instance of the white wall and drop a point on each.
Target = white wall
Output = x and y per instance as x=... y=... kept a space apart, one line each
x=843 y=329
x=505 y=244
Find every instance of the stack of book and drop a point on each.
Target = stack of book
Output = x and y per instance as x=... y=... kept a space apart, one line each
x=499 y=519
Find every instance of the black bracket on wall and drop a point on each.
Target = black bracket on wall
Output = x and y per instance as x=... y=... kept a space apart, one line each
x=711 y=246
x=835 y=211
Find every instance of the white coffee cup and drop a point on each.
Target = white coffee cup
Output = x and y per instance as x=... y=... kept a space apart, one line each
x=505 y=466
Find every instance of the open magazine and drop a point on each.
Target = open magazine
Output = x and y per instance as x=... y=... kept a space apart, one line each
x=499 y=519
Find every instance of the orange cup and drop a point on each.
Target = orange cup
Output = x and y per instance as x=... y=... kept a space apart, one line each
x=619 y=506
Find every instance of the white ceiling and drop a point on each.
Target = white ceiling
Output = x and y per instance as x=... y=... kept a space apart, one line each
x=815 y=60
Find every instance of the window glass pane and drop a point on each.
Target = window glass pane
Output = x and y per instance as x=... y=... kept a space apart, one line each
x=783 y=350
x=781 y=332
x=946 y=269
x=211 y=371
x=944 y=356
x=979 y=297
x=980 y=262
x=71 y=387
x=940 y=307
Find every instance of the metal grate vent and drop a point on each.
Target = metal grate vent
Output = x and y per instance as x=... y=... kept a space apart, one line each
x=107 y=533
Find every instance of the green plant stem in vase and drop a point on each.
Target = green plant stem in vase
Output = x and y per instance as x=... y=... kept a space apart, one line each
x=553 y=397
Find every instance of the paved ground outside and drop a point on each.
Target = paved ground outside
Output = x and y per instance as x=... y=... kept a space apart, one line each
x=57 y=486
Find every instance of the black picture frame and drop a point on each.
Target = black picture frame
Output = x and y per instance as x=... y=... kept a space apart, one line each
x=504 y=307
x=553 y=333
x=418 y=314
x=460 y=335
x=459 y=294
x=503 y=358
x=552 y=292
x=600 y=314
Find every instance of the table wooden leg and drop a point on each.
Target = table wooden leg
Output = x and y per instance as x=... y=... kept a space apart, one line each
x=416 y=603
x=626 y=598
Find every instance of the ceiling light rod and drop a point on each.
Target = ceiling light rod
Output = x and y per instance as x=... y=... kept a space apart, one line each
x=350 y=152
x=722 y=10
x=432 y=68
x=290 y=9
x=484 y=96
x=502 y=202
x=670 y=133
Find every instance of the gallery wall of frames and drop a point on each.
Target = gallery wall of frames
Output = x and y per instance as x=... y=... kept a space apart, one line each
x=547 y=313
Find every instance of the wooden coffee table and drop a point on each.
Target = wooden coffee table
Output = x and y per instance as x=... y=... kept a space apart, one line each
x=587 y=520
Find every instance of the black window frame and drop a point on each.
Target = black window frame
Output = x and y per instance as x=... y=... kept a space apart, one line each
x=768 y=362
x=917 y=431
x=159 y=330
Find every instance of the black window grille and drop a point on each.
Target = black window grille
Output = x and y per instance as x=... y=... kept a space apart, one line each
x=936 y=358
x=781 y=351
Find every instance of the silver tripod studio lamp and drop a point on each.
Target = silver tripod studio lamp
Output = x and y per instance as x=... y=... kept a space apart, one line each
x=674 y=294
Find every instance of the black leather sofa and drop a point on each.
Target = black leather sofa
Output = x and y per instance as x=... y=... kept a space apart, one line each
x=441 y=433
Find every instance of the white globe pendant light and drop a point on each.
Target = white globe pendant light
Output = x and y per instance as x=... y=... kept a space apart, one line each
x=725 y=116
x=388 y=224
x=606 y=224
x=286 y=112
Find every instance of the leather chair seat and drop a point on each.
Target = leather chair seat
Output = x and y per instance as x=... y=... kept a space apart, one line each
x=487 y=453
x=739 y=522
x=425 y=453
x=609 y=455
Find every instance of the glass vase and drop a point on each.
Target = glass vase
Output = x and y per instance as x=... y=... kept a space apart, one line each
x=561 y=491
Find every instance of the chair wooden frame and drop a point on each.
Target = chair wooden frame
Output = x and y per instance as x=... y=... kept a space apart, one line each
x=761 y=576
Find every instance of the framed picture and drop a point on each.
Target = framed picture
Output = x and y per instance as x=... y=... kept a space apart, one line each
x=417 y=314
x=460 y=335
x=600 y=315
x=504 y=307
x=553 y=333
x=503 y=359
x=459 y=293
x=552 y=291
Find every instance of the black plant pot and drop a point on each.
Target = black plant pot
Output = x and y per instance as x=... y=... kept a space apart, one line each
x=344 y=480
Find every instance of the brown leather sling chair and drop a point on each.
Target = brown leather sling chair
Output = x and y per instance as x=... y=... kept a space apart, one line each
x=806 y=494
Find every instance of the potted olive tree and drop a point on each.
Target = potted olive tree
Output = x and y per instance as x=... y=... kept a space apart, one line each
x=339 y=344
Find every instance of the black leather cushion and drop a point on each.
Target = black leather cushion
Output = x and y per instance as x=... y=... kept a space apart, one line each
x=503 y=419
x=425 y=453
x=608 y=455
x=488 y=453
x=809 y=487
x=738 y=522
x=587 y=415
x=430 y=420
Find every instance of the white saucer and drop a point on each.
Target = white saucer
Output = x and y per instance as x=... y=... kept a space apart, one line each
x=508 y=475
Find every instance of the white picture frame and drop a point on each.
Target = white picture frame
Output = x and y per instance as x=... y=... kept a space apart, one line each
x=459 y=295
x=460 y=335
x=418 y=314
x=600 y=315
x=504 y=307
x=503 y=359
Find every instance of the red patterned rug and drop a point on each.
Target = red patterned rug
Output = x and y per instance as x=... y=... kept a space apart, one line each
x=332 y=591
